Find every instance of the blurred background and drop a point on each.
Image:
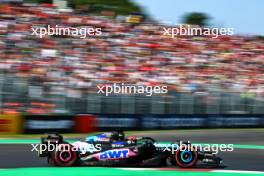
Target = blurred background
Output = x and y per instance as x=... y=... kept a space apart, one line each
x=59 y=74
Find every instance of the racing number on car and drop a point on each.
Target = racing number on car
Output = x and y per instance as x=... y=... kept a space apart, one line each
x=114 y=154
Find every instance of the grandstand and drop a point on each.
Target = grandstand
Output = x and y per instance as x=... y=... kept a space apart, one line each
x=204 y=75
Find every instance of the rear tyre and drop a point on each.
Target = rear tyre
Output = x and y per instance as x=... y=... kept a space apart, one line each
x=51 y=161
x=64 y=156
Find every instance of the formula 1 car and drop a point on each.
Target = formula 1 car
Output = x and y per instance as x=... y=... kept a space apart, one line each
x=114 y=149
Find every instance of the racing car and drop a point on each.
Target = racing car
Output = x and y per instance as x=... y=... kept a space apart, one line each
x=114 y=149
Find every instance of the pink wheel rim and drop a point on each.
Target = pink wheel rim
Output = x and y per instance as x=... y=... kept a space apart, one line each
x=65 y=159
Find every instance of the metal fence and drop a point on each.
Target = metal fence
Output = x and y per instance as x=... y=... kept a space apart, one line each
x=70 y=100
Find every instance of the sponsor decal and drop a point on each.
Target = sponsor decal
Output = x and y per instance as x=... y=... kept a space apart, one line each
x=49 y=124
x=114 y=154
x=118 y=145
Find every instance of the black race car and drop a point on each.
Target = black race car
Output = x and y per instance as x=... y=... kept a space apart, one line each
x=114 y=149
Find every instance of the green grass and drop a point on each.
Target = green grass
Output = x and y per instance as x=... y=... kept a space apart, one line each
x=100 y=171
x=97 y=171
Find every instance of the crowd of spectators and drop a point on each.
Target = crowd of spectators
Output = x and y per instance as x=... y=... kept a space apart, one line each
x=70 y=66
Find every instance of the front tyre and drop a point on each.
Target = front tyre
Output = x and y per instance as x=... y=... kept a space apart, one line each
x=186 y=158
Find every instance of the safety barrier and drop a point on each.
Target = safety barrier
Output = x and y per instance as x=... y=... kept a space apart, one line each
x=85 y=123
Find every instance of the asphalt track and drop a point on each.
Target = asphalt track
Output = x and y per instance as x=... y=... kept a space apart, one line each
x=248 y=158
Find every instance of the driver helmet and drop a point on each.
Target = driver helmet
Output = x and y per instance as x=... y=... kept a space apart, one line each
x=118 y=135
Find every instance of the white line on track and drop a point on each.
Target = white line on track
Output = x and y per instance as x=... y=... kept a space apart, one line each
x=238 y=171
x=219 y=171
x=139 y=169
